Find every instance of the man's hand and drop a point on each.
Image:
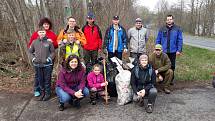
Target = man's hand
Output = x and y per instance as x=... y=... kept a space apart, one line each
x=178 y=54
x=125 y=50
x=156 y=72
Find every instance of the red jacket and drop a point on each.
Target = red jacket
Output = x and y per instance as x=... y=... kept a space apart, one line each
x=50 y=34
x=93 y=36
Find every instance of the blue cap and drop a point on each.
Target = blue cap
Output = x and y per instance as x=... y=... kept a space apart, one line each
x=90 y=15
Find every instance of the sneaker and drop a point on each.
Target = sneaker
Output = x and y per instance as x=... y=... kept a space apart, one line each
x=167 y=91
x=36 y=94
x=77 y=103
x=46 y=97
x=149 y=108
x=61 y=107
x=42 y=95
x=141 y=102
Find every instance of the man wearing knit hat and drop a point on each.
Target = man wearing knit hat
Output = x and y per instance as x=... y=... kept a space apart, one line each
x=137 y=38
x=162 y=65
x=142 y=82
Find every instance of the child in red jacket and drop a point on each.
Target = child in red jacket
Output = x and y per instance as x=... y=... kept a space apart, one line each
x=96 y=83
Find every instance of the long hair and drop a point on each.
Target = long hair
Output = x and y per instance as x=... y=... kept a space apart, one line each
x=67 y=66
x=45 y=20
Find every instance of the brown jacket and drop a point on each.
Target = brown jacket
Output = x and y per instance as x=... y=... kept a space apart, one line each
x=161 y=63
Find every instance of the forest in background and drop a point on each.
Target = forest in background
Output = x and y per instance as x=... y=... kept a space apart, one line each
x=19 y=18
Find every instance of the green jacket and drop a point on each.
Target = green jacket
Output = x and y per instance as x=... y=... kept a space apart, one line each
x=161 y=63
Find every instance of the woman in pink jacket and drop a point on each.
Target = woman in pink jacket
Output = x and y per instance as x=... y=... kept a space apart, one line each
x=96 y=83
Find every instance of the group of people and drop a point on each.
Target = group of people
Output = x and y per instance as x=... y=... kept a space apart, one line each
x=78 y=48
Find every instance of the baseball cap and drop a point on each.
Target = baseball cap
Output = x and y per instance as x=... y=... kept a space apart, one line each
x=115 y=17
x=158 y=47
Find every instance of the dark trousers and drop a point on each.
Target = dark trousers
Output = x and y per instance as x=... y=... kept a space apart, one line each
x=90 y=56
x=151 y=94
x=115 y=54
x=43 y=79
x=172 y=57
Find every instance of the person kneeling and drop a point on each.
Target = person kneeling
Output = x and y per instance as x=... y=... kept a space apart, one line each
x=162 y=65
x=70 y=86
x=142 y=81
x=96 y=83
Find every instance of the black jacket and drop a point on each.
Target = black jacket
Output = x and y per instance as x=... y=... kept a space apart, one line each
x=142 y=78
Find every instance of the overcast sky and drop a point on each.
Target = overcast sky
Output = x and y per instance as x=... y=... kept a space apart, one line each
x=151 y=4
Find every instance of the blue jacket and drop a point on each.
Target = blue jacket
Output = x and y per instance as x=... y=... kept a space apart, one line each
x=175 y=41
x=109 y=39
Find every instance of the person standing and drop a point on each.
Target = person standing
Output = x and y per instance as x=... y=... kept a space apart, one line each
x=93 y=36
x=47 y=25
x=42 y=53
x=115 y=39
x=137 y=38
x=171 y=39
x=79 y=35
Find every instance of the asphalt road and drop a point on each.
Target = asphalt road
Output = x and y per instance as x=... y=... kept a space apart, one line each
x=202 y=42
x=182 y=105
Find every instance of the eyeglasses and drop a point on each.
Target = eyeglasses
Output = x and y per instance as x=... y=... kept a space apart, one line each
x=157 y=49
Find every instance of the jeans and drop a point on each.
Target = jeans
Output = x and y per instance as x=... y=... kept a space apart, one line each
x=65 y=97
x=43 y=79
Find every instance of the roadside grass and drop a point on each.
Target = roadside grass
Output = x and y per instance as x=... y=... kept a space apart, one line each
x=195 y=64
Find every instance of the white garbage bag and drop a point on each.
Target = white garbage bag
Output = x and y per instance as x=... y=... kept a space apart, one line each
x=123 y=87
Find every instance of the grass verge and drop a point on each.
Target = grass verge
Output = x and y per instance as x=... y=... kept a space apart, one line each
x=195 y=64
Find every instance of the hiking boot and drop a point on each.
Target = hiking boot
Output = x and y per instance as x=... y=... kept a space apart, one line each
x=61 y=107
x=71 y=102
x=46 y=97
x=149 y=108
x=167 y=91
x=141 y=102
x=93 y=102
x=77 y=103
x=42 y=96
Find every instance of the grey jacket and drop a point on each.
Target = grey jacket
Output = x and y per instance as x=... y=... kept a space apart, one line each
x=137 y=39
x=42 y=52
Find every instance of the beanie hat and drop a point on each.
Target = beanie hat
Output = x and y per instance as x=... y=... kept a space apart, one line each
x=144 y=56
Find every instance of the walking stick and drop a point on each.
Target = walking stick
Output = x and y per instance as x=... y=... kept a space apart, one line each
x=58 y=60
x=106 y=93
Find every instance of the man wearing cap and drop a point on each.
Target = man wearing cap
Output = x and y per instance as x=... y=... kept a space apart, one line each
x=93 y=36
x=162 y=65
x=115 y=39
x=137 y=38
x=170 y=37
